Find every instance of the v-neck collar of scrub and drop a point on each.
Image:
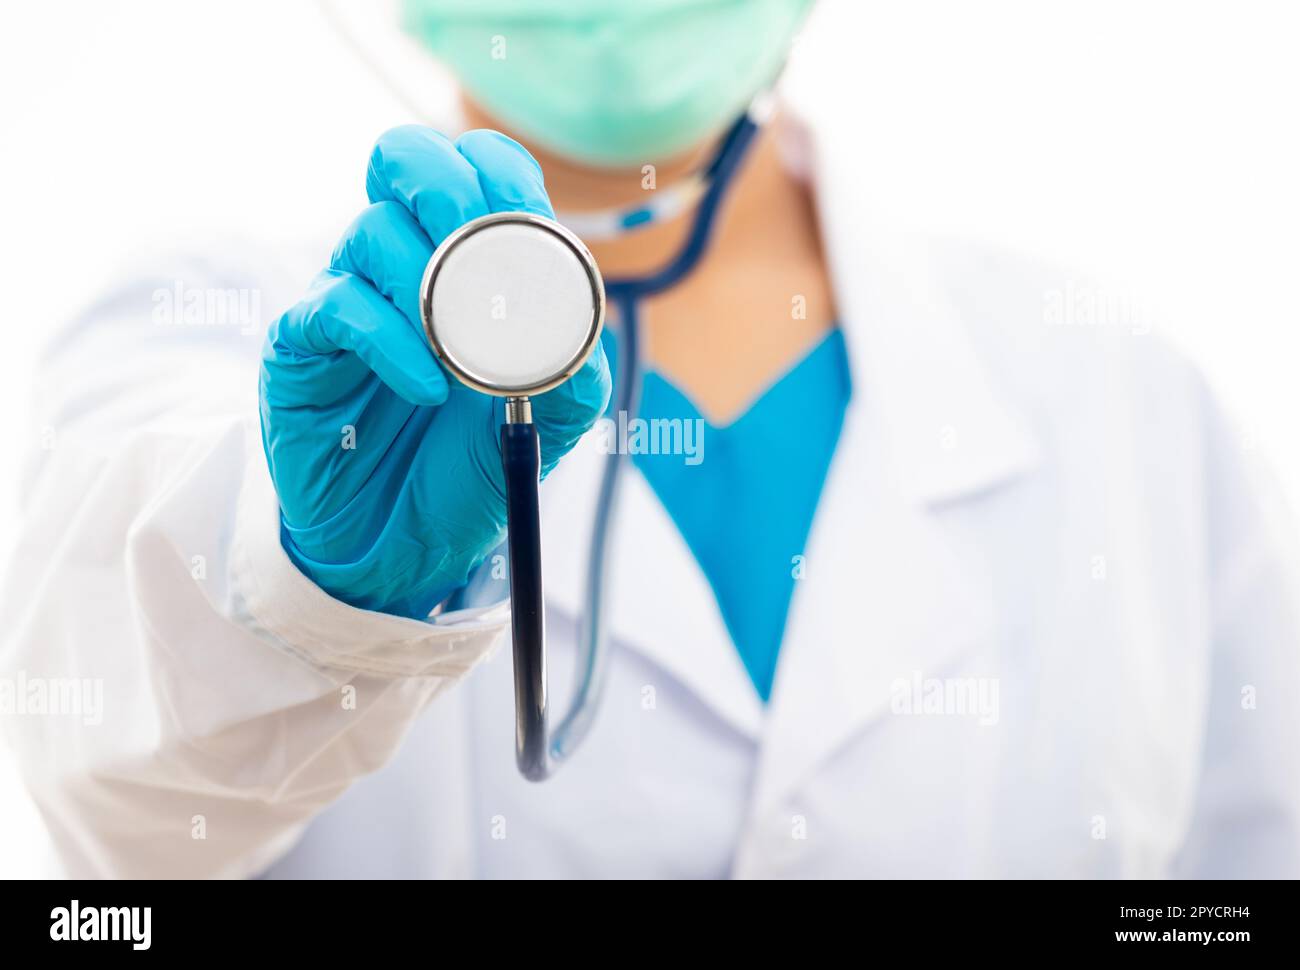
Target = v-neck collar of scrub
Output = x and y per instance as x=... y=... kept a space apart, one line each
x=831 y=342
x=750 y=543
x=928 y=426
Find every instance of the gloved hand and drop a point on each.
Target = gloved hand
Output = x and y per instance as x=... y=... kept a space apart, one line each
x=388 y=470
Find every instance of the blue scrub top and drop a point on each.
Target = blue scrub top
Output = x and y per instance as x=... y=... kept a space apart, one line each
x=746 y=507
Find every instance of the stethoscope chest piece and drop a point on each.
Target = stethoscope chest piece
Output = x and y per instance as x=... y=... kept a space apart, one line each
x=513 y=304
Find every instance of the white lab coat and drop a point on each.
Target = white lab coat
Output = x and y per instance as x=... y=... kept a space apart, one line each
x=1056 y=515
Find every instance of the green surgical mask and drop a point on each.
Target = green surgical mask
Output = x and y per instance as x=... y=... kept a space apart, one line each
x=610 y=82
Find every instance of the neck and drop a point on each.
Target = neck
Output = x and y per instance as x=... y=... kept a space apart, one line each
x=729 y=329
x=574 y=187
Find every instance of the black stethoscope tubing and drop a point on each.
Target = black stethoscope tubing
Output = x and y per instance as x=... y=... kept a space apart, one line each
x=537 y=753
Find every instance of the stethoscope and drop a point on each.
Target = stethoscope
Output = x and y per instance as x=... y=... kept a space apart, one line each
x=513 y=304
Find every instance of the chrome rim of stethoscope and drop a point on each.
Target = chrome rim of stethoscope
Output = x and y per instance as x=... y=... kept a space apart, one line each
x=458 y=367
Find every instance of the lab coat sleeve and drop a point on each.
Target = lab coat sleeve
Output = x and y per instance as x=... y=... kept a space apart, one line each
x=1247 y=817
x=211 y=698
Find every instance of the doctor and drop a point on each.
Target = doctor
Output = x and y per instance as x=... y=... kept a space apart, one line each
x=942 y=590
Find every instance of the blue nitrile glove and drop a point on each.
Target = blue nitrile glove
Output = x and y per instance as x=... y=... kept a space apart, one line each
x=389 y=471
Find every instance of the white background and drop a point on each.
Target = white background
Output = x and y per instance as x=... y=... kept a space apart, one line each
x=1153 y=144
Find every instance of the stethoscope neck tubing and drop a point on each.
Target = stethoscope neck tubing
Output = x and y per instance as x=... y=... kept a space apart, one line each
x=592 y=662
x=731 y=152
